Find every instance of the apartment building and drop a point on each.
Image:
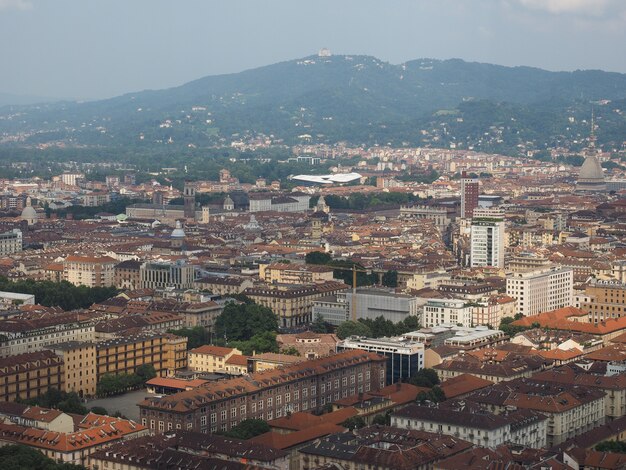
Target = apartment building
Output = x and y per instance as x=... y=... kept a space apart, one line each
x=79 y=367
x=613 y=386
x=571 y=410
x=541 y=290
x=211 y=359
x=293 y=304
x=11 y=242
x=449 y=311
x=26 y=334
x=29 y=375
x=123 y=354
x=468 y=421
x=127 y=275
x=224 y=285
x=282 y=273
x=95 y=199
x=604 y=300
x=308 y=385
x=90 y=271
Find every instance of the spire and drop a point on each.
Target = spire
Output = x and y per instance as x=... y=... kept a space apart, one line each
x=592 y=135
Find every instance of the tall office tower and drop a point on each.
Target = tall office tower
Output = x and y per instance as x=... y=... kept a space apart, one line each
x=487 y=239
x=469 y=195
x=189 y=196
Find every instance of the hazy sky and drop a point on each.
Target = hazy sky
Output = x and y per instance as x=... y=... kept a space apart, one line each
x=96 y=49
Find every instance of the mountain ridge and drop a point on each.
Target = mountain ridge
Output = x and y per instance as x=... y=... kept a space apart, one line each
x=354 y=98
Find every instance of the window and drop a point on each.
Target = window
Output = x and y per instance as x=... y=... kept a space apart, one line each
x=151 y=424
x=223 y=415
x=213 y=418
x=202 y=420
x=269 y=402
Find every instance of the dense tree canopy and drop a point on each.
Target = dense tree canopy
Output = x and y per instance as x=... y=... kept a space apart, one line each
x=54 y=398
x=425 y=378
x=248 y=429
x=240 y=322
x=196 y=336
x=352 y=328
x=59 y=294
x=19 y=457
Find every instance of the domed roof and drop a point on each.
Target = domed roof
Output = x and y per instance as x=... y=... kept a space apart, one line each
x=178 y=232
x=591 y=170
x=29 y=214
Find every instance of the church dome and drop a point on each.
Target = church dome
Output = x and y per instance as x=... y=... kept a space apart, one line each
x=178 y=232
x=29 y=214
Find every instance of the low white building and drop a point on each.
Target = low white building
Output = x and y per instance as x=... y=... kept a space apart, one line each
x=455 y=311
x=14 y=299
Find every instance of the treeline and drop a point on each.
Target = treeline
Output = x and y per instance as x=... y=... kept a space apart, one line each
x=82 y=212
x=361 y=201
x=377 y=328
x=116 y=384
x=58 y=294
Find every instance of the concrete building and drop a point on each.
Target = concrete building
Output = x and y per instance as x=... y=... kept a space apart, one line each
x=24 y=335
x=90 y=271
x=291 y=202
x=157 y=275
x=11 y=242
x=454 y=311
x=541 y=290
x=404 y=357
x=293 y=303
x=127 y=275
x=28 y=375
x=487 y=240
x=79 y=371
x=294 y=274
x=13 y=299
x=441 y=216
x=210 y=359
x=372 y=303
x=470 y=189
x=604 y=300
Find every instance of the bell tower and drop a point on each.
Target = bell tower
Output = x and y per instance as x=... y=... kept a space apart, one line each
x=189 y=196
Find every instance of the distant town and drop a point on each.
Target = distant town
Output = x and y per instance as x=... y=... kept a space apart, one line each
x=405 y=308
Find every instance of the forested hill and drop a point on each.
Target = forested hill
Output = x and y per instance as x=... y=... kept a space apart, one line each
x=359 y=99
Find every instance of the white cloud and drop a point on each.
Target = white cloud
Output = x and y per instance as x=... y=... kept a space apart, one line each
x=15 y=5
x=584 y=7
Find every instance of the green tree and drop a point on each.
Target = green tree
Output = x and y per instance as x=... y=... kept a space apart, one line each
x=248 y=429
x=617 y=447
x=425 y=377
x=435 y=395
x=260 y=343
x=146 y=372
x=355 y=422
x=319 y=325
x=19 y=457
x=196 y=336
x=390 y=279
x=351 y=328
x=240 y=322
x=290 y=351
x=99 y=410
x=317 y=257
x=382 y=419
x=54 y=398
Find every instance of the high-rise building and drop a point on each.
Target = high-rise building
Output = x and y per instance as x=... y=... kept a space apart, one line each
x=541 y=290
x=178 y=275
x=487 y=239
x=469 y=195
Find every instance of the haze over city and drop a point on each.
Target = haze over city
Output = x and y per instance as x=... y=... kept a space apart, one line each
x=91 y=50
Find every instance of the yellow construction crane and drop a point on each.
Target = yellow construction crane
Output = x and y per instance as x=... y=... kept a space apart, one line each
x=354 y=271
